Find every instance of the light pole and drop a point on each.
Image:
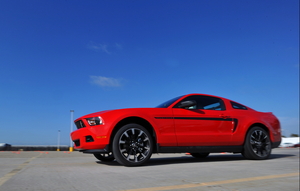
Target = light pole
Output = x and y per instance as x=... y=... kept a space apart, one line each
x=71 y=129
x=58 y=140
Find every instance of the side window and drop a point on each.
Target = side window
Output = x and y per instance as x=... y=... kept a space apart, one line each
x=205 y=102
x=237 y=106
x=212 y=103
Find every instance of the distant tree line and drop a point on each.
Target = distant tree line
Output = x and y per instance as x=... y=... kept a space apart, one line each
x=292 y=135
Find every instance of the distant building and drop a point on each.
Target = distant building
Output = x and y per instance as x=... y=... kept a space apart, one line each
x=5 y=147
x=8 y=147
x=289 y=141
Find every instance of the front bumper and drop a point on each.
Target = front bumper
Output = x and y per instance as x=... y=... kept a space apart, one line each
x=94 y=151
x=90 y=138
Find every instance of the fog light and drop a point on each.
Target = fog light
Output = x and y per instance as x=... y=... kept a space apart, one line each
x=89 y=139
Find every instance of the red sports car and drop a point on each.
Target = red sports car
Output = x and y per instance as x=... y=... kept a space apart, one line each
x=196 y=123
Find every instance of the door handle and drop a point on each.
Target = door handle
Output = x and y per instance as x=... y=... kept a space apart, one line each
x=224 y=116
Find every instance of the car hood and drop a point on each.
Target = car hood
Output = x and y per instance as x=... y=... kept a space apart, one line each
x=94 y=114
x=121 y=111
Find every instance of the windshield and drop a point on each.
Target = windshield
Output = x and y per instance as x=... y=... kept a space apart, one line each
x=168 y=103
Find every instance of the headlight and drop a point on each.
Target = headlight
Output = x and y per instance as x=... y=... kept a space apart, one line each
x=94 y=121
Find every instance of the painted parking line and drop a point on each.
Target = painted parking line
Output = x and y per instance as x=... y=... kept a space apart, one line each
x=16 y=170
x=193 y=185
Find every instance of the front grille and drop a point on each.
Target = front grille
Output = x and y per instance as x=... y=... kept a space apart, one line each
x=79 y=124
x=77 y=142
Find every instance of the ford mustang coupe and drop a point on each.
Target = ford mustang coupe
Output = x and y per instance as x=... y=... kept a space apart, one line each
x=196 y=123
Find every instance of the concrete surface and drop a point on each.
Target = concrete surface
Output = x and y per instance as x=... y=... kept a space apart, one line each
x=63 y=171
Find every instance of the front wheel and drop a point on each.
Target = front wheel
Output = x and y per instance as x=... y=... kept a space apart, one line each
x=257 y=144
x=132 y=145
x=106 y=157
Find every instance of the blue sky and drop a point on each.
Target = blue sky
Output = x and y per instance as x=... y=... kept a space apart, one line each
x=88 y=56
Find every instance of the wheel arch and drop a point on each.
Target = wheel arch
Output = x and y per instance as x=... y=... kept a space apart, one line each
x=264 y=127
x=257 y=151
x=137 y=120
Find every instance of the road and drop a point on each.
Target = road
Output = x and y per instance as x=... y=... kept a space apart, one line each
x=64 y=171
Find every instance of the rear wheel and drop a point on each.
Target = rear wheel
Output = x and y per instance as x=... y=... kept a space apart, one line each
x=132 y=145
x=106 y=157
x=257 y=144
x=199 y=155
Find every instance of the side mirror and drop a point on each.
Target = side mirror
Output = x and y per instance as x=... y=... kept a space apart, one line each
x=188 y=103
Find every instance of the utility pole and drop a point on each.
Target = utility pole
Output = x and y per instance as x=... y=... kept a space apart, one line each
x=71 y=129
x=58 y=140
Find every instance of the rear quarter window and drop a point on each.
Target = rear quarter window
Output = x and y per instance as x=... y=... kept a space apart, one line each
x=237 y=106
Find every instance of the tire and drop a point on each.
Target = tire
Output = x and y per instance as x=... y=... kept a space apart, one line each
x=132 y=145
x=200 y=155
x=257 y=144
x=105 y=157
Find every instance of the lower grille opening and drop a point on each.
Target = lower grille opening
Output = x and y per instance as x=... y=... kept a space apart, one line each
x=77 y=142
x=89 y=139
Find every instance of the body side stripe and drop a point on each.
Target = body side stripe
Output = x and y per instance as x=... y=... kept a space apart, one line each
x=197 y=118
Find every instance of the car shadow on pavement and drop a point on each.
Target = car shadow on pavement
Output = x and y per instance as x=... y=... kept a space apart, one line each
x=277 y=156
x=155 y=161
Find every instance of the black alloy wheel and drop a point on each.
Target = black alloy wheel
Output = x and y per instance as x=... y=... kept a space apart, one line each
x=257 y=144
x=132 y=145
x=106 y=157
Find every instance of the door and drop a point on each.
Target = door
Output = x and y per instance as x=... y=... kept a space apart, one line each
x=205 y=124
